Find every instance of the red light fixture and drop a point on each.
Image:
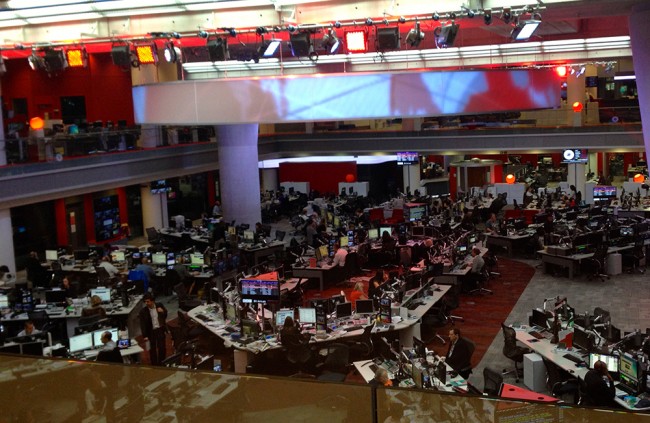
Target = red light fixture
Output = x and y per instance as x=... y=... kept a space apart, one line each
x=561 y=71
x=356 y=41
x=639 y=178
x=510 y=178
x=147 y=54
x=577 y=107
x=77 y=57
x=36 y=123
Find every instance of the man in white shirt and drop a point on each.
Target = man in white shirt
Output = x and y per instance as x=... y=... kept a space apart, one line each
x=109 y=344
x=29 y=329
x=339 y=255
x=106 y=264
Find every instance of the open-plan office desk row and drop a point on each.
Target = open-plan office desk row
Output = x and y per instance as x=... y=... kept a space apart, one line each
x=572 y=262
x=551 y=352
x=211 y=318
x=509 y=242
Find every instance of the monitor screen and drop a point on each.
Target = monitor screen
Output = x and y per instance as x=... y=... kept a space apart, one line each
x=281 y=316
x=365 y=307
x=160 y=186
x=33 y=348
x=81 y=342
x=629 y=367
x=322 y=252
x=307 y=315
x=336 y=222
x=539 y=319
x=417 y=213
x=373 y=233
x=103 y=293
x=81 y=255
x=417 y=231
x=461 y=249
x=118 y=255
x=4 y=301
x=170 y=259
x=385 y=229
x=259 y=290
x=610 y=360
x=420 y=347
x=626 y=231
x=51 y=255
x=604 y=191
x=97 y=336
x=55 y=296
x=343 y=241
x=407 y=158
x=582 y=339
x=159 y=258
x=249 y=236
x=575 y=155
x=343 y=310
x=197 y=259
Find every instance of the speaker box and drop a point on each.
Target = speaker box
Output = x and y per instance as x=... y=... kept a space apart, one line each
x=218 y=50
x=388 y=38
x=121 y=55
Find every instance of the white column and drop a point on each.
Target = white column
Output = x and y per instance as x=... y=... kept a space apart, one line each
x=150 y=136
x=238 y=172
x=270 y=179
x=7 y=256
x=411 y=178
x=154 y=209
x=576 y=176
x=640 y=34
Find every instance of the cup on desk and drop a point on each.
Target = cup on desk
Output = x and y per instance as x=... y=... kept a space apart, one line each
x=312 y=262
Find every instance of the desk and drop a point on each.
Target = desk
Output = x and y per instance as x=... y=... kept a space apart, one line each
x=572 y=262
x=326 y=272
x=262 y=252
x=175 y=238
x=124 y=352
x=508 y=242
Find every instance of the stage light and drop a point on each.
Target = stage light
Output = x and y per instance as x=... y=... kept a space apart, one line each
x=55 y=60
x=356 y=41
x=147 y=54
x=388 y=38
x=331 y=42
x=487 y=17
x=506 y=16
x=639 y=178
x=269 y=48
x=77 y=57
x=561 y=71
x=471 y=13
x=581 y=71
x=202 y=34
x=36 y=123
x=301 y=44
x=446 y=35
x=435 y=16
x=218 y=49
x=260 y=30
x=415 y=36
x=577 y=107
x=171 y=52
x=524 y=30
x=36 y=62
x=121 y=55
x=369 y=22
x=510 y=179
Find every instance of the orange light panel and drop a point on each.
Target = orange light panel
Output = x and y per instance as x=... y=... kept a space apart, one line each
x=145 y=55
x=36 y=123
x=639 y=178
x=577 y=107
x=561 y=71
x=356 y=41
x=75 y=58
x=510 y=179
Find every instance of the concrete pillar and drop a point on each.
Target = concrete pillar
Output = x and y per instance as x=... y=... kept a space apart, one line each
x=6 y=233
x=154 y=209
x=270 y=179
x=238 y=172
x=411 y=178
x=150 y=136
x=3 y=145
x=640 y=35
x=575 y=91
x=576 y=176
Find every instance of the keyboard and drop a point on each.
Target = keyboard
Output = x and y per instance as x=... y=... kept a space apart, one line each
x=352 y=328
x=625 y=388
x=536 y=334
x=573 y=358
x=203 y=317
x=230 y=329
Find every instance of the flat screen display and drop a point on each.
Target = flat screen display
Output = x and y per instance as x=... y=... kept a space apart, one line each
x=629 y=367
x=373 y=233
x=610 y=360
x=407 y=158
x=343 y=310
x=97 y=336
x=159 y=258
x=51 y=255
x=307 y=315
x=417 y=231
x=103 y=293
x=281 y=316
x=365 y=307
x=259 y=290
x=601 y=191
x=575 y=155
x=385 y=229
x=197 y=259
x=118 y=256
x=81 y=342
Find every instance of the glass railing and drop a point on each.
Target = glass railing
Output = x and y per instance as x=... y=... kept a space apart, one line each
x=42 y=389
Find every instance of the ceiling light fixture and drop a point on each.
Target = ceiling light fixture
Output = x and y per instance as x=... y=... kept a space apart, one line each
x=415 y=36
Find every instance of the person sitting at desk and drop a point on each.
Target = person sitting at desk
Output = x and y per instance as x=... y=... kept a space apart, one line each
x=375 y=284
x=310 y=232
x=109 y=344
x=106 y=264
x=339 y=255
x=290 y=335
x=68 y=287
x=575 y=195
x=599 y=386
x=357 y=293
x=216 y=209
x=529 y=196
x=28 y=329
x=146 y=268
x=476 y=267
x=95 y=308
x=492 y=225
x=381 y=378
x=458 y=355
x=181 y=269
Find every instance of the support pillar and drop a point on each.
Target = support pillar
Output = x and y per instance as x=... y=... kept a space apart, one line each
x=575 y=91
x=411 y=178
x=576 y=176
x=154 y=209
x=640 y=35
x=150 y=136
x=270 y=179
x=6 y=238
x=238 y=172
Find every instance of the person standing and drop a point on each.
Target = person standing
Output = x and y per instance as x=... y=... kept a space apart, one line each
x=153 y=317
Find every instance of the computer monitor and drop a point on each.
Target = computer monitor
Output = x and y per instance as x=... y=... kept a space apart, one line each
x=307 y=315
x=365 y=307
x=322 y=252
x=417 y=231
x=626 y=231
x=259 y=290
x=336 y=222
x=582 y=339
x=629 y=372
x=343 y=241
x=32 y=348
x=539 y=319
x=279 y=235
x=343 y=310
x=81 y=255
x=55 y=296
x=159 y=258
x=419 y=347
x=540 y=218
x=10 y=349
x=373 y=233
x=4 y=301
x=51 y=255
x=103 y=293
x=81 y=342
x=97 y=336
x=383 y=229
x=429 y=231
x=281 y=316
x=610 y=360
x=249 y=237
x=197 y=259
x=118 y=256
x=461 y=249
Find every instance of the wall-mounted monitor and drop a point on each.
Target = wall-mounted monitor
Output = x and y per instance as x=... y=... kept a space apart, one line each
x=259 y=290
x=160 y=186
x=407 y=158
x=604 y=191
x=575 y=155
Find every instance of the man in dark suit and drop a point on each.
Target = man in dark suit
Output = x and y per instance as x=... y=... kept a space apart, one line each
x=153 y=317
x=459 y=353
x=599 y=389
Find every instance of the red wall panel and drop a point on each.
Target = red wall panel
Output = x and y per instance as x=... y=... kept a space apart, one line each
x=322 y=176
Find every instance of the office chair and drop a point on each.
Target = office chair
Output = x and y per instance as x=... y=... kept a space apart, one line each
x=492 y=381
x=363 y=346
x=41 y=320
x=466 y=371
x=103 y=277
x=481 y=280
x=558 y=385
x=433 y=319
x=139 y=278
x=595 y=266
x=186 y=302
x=350 y=269
x=632 y=260
x=511 y=350
x=112 y=356
x=335 y=367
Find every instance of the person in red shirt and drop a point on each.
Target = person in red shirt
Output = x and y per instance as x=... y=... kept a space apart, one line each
x=357 y=293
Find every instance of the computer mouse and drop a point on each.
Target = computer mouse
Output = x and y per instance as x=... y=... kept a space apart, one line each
x=448 y=385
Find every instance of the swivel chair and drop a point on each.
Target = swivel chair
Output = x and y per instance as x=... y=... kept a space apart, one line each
x=362 y=347
x=336 y=364
x=511 y=350
x=481 y=280
x=112 y=356
x=186 y=302
x=596 y=265
x=560 y=386
x=492 y=382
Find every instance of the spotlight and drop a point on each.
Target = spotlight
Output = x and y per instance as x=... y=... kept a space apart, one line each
x=121 y=55
x=487 y=17
x=445 y=35
x=261 y=30
x=218 y=49
x=231 y=31
x=415 y=36
x=524 y=30
x=147 y=54
x=36 y=62
x=401 y=19
x=435 y=16
x=55 y=60
x=172 y=53
x=268 y=48
x=470 y=13
x=337 y=24
x=356 y=41
x=561 y=71
x=581 y=71
x=506 y=16
x=388 y=38
x=77 y=57
x=331 y=42
x=175 y=35
x=452 y=16
x=202 y=34
x=291 y=28
x=301 y=44
x=369 y=22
